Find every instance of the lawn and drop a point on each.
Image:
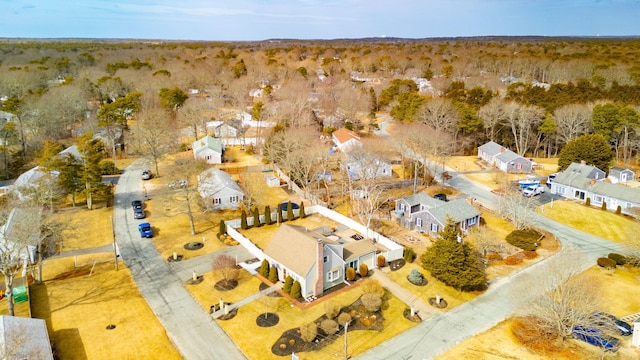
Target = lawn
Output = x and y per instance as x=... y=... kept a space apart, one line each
x=256 y=342
x=499 y=342
x=592 y=220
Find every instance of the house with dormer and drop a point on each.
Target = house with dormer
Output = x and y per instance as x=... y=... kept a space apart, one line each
x=209 y=149
x=317 y=258
x=504 y=159
x=575 y=180
x=426 y=214
x=218 y=190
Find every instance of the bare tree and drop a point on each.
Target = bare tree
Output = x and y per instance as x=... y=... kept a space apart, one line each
x=515 y=207
x=192 y=116
x=492 y=115
x=561 y=299
x=572 y=121
x=183 y=189
x=523 y=122
x=225 y=267
x=154 y=136
x=18 y=244
x=439 y=114
x=483 y=239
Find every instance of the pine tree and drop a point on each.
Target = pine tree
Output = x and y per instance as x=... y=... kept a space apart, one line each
x=296 y=290
x=288 y=282
x=243 y=220
x=302 y=213
x=452 y=261
x=223 y=227
x=273 y=275
x=289 y=211
x=256 y=217
x=264 y=268
x=267 y=215
x=279 y=214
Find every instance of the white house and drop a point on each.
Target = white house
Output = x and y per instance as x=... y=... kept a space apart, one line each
x=218 y=190
x=619 y=174
x=424 y=213
x=575 y=181
x=368 y=167
x=209 y=149
x=317 y=259
x=345 y=139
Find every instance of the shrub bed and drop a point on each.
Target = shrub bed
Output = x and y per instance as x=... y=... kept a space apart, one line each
x=524 y=239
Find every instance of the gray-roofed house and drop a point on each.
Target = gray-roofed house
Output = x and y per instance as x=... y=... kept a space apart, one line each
x=24 y=338
x=316 y=259
x=620 y=174
x=209 y=149
x=423 y=213
x=574 y=181
x=581 y=182
x=504 y=159
x=218 y=190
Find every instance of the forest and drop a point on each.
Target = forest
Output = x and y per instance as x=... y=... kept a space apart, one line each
x=150 y=98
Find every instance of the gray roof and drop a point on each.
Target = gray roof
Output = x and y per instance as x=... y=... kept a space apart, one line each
x=458 y=210
x=578 y=175
x=619 y=192
x=214 y=180
x=422 y=198
x=490 y=148
x=508 y=156
x=15 y=342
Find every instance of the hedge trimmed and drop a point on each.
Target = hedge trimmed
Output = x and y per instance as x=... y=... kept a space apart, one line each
x=618 y=258
x=524 y=239
x=606 y=263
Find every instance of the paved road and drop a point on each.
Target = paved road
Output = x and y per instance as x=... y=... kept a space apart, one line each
x=442 y=331
x=194 y=334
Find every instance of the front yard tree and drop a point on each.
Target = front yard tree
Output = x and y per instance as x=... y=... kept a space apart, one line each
x=183 y=187
x=267 y=215
x=566 y=298
x=154 y=137
x=224 y=266
x=113 y=116
x=70 y=176
x=515 y=207
x=593 y=149
x=451 y=260
x=92 y=151
x=172 y=99
x=192 y=117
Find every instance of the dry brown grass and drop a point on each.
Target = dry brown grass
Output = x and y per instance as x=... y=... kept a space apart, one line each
x=499 y=342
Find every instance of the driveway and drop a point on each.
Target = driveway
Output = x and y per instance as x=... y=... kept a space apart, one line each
x=437 y=334
x=194 y=334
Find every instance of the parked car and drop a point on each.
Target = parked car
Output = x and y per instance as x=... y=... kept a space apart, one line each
x=595 y=337
x=138 y=213
x=609 y=321
x=136 y=204
x=145 y=230
x=533 y=190
x=441 y=196
x=146 y=175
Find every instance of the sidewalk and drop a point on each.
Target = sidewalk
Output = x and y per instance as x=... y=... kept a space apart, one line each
x=423 y=310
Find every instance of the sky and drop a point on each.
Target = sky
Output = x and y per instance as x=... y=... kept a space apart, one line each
x=247 y=20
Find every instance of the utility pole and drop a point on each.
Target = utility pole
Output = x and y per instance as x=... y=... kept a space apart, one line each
x=346 y=326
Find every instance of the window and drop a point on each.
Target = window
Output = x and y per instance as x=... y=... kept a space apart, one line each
x=434 y=227
x=208 y=157
x=233 y=199
x=334 y=274
x=560 y=189
x=217 y=201
x=325 y=259
x=597 y=199
x=472 y=221
x=419 y=222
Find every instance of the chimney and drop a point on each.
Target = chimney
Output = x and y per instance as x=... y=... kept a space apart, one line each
x=582 y=162
x=319 y=282
x=470 y=200
x=593 y=182
x=502 y=150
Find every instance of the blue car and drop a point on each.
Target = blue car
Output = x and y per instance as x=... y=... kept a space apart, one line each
x=595 y=337
x=145 y=230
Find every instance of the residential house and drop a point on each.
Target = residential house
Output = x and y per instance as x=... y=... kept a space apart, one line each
x=581 y=182
x=504 y=159
x=345 y=139
x=24 y=338
x=574 y=182
x=619 y=174
x=317 y=259
x=218 y=190
x=209 y=149
x=424 y=213
x=228 y=129
x=365 y=166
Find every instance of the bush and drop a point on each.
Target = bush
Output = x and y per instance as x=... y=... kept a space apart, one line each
x=618 y=210
x=256 y=217
x=530 y=255
x=108 y=167
x=302 y=213
x=308 y=332
x=514 y=259
x=494 y=257
x=288 y=281
x=264 y=268
x=588 y=202
x=243 y=220
x=332 y=309
x=372 y=286
x=273 y=275
x=363 y=270
x=371 y=302
x=267 y=215
x=381 y=261
x=618 y=258
x=296 y=290
x=524 y=239
x=604 y=205
x=329 y=326
x=350 y=274
x=415 y=277
x=290 y=216
x=606 y=263
x=344 y=318
x=409 y=255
